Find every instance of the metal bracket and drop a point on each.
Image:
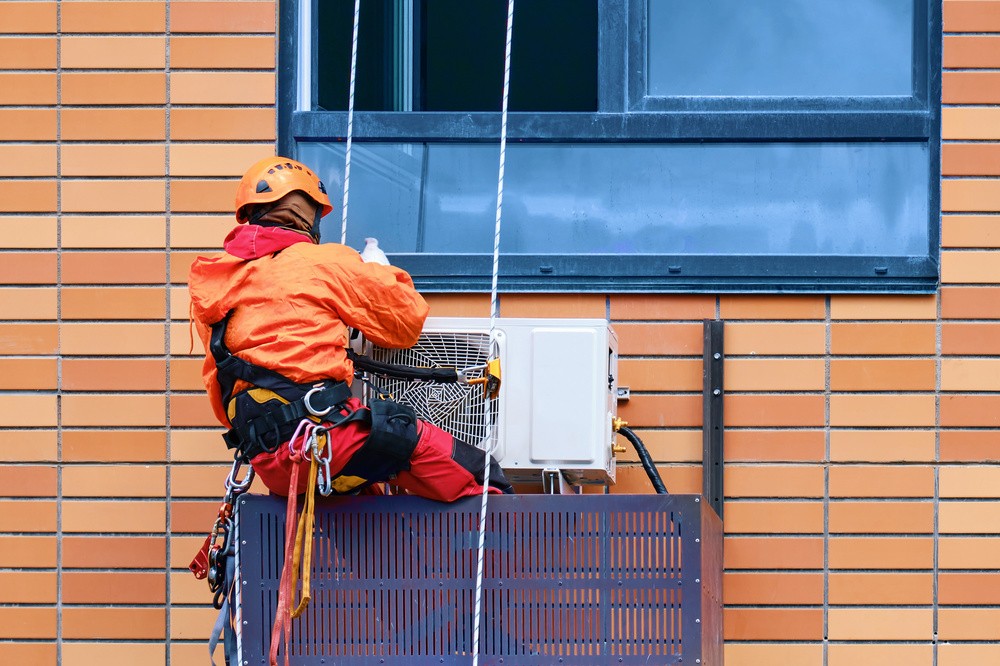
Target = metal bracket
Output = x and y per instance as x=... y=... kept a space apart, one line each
x=712 y=426
x=554 y=483
x=623 y=393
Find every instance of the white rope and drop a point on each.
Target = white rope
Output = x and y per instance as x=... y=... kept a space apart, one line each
x=350 y=122
x=494 y=308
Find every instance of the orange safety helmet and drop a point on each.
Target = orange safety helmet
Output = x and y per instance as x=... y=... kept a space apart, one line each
x=272 y=178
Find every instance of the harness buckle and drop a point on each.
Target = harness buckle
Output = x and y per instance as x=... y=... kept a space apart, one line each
x=308 y=404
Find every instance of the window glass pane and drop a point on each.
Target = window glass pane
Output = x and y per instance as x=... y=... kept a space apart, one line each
x=448 y=55
x=720 y=198
x=780 y=47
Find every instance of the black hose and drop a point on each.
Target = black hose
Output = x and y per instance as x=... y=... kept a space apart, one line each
x=438 y=375
x=647 y=462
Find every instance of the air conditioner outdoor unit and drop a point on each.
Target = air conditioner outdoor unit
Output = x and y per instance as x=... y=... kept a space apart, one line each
x=557 y=397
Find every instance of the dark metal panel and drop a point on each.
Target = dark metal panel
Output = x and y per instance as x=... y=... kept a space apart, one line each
x=288 y=40
x=568 y=579
x=712 y=422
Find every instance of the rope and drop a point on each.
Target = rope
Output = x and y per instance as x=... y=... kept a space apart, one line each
x=350 y=122
x=494 y=311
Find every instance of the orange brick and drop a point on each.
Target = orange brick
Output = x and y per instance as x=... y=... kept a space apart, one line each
x=881 y=445
x=958 y=654
x=28 y=654
x=27 y=587
x=118 y=88
x=773 y=518
x=140 y=16
x=24 y=18
x=198 y=480
x=28 y=53
x=29 y=339
x=969 y=553
x=119 y=587
x=773 y=588
x=28 y=552
x=113 y=52
x=202 y=196
x=970 y=159
x=677 y=478
x=660 y=374
x=198 y=446
x=111 y=552
x=114 y=623
x=182 y=343
x=968 y=446
x=113 y=375
x=113 y=267
x=970 y=410
x=113 y=303
x=36 y=304
x=969 y=624
x=113 y=516
x=34 y=232
x=129 y=411
x=19 y=622
x=113 y=124
x=189 y=653
x=28 y=124
x=882 y=307
x=191 y=410
x=882 y=338
x=222 y=88
x=969 y=517
x=770 y=374
x=773 y=339
x=248 y=17
x=180 y=304
x=215 y=124
x=185 y=588
x=660 y=410
x=114 y=653
x=979 y=589
x=768 y=654
x=114 y=481
x=114 y=231
x=117 y=196
x=666 y=446
x=970 y=374
x=970 y=303
x=191 y=623
x=775 y=445
x=778 y=624
x=881 y=410
x=864 y=589
x=180 y=265
x=114 y=446
x=971 y=16
x=661 y=307
x=881 y=517
x=244 y=52
x=771 y=307
x=119 y=339
x=185 y=375
x=28 y=374
x=27 y=481
x=113 y=160
x=969 y=123
x=27 y=196
x=871 y=654
x=22 y=446
x=553 y=305
x=192 y=516
x=225 y=160
x=881 y=481
x=27 y=516
x=970 y=339
x=968 y=195
x=970 y=88
x=20 y=160
x=773 y=481
x=881 y=552
x=881 y=624
x=882 y=375
x=27 y=89
x=659 y=339
x=969 y=266
x=27 y=410
x=773 y=410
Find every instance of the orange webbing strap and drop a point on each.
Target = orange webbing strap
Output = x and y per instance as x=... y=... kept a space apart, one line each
x=282 y=618
x=304 y=538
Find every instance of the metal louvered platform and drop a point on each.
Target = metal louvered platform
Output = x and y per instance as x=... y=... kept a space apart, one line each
x=575 y=580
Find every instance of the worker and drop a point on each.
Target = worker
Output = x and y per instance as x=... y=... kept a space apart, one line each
x=274 y=310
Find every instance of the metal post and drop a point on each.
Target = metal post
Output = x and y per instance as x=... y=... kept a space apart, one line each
x=712 y=428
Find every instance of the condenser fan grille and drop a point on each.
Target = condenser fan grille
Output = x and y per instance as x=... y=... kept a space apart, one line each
x=457 y=408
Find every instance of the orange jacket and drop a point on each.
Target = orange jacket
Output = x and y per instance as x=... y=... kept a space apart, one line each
x=293 y=302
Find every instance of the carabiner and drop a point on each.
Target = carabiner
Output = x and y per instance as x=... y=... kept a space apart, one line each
x=234 y=487
x=304 y=429
x=309 y=406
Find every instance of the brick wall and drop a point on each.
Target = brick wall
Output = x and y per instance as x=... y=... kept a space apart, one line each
x=862 y=512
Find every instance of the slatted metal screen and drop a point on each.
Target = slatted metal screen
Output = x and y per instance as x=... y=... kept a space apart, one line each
x=592 y=579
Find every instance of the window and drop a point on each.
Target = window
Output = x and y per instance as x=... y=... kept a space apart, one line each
x=653 y=145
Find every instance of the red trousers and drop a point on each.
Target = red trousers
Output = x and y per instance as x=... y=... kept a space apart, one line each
x=441 y=467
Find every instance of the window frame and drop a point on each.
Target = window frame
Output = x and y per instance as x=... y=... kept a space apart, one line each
x=627 y=115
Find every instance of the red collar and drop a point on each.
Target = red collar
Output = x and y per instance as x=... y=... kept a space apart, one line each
x=252 y=241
